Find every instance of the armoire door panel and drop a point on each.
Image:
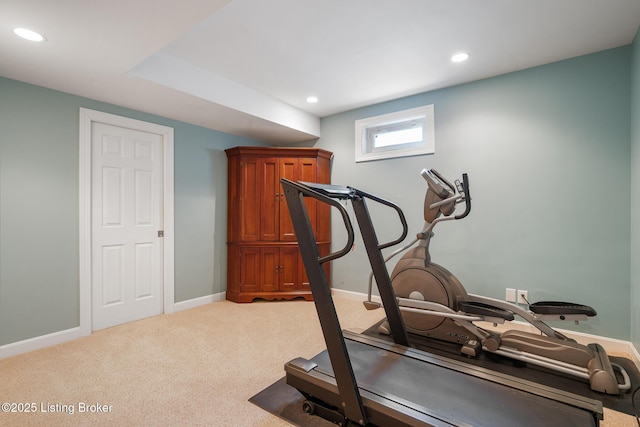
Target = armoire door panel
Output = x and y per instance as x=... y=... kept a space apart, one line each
x=269 y=268
x=289 y=169
x=289 y=269
x=269 y=195
x=249 y=269
x=249 y=203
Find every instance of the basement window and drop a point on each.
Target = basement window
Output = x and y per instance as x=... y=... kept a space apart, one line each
x=400 y=134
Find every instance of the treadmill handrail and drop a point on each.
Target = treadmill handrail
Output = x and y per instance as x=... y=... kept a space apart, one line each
x=328 y=192
x=307 y=190
x=403 y=220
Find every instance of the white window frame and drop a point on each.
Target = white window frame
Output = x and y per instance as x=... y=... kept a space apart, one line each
x=366 y=129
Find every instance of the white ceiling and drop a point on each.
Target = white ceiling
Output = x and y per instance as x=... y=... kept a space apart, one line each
x=247 y=66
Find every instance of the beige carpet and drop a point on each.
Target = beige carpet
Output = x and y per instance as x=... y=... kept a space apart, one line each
x=194 y=368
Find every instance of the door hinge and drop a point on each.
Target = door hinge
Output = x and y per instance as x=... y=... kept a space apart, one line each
x=160 y=233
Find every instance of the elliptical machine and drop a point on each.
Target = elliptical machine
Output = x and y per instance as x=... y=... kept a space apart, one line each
x=434 y=304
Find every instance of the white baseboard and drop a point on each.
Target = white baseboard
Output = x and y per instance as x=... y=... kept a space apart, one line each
x=611 y=345
x=354 y=296
x=37 y=343
x=60 y=337
x=197 y=302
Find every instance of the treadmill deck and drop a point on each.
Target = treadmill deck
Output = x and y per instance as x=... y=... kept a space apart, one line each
x=444 y=392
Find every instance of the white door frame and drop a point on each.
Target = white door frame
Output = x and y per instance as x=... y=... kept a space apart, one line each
x=87 y=117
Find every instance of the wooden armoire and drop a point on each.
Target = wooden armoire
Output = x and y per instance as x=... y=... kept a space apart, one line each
x=263 y=260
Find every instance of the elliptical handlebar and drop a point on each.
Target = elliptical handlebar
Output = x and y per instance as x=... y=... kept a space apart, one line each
x=466 y=196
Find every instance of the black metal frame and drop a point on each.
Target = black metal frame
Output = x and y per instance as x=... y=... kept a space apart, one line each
x=331 y=329
x=336 y=347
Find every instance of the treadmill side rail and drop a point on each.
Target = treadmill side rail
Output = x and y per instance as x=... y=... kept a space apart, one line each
x=301 y=364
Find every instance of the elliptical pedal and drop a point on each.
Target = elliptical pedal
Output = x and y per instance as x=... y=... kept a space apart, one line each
x=471 y=348
x=601 y=374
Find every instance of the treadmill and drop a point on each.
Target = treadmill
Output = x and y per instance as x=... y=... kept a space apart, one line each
x=370 y=382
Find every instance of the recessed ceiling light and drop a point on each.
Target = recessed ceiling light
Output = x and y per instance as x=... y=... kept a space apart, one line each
x=460 y=57
x=312 y=99
x=29 y=34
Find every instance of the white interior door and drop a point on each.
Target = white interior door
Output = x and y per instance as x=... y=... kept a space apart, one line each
x=126 y=220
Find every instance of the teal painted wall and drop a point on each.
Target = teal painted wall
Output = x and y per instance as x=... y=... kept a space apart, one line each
x=635 y=193
x=547 y=152
x=39 y=208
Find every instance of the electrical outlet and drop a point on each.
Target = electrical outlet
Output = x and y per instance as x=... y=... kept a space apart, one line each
x=511 y=295
x=523 y=297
